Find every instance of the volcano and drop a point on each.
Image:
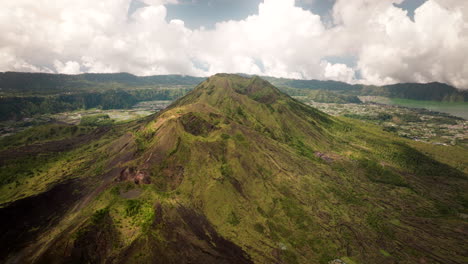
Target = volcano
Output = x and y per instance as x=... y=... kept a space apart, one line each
x=233 y=172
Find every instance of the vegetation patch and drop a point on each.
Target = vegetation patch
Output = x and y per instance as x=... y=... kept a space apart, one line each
x=233 y=219
x=196 y=125
x=96 y=120
x=378 y=173
x=303 y=149
x=259 y=228
x=140 y=212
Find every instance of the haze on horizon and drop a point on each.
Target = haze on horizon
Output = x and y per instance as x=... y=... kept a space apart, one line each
x=355 y=41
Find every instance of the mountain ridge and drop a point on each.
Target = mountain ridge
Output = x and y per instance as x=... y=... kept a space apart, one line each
x=8 y=79
x=29 y=94
x=237 y=172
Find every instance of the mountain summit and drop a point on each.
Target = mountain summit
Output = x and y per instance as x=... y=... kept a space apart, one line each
x=235 y=172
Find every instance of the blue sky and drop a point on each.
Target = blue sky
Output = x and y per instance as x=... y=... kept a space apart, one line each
x=206 y=13
x=411 y=5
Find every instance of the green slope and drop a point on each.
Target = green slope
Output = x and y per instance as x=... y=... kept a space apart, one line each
x=234 y=172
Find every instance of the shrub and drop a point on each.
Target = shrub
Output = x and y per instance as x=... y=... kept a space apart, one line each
x=132 y=207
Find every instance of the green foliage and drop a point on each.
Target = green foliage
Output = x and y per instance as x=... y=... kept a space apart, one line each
x=239 y=137
x=261 y=212
x=417 y=162
x=240 y=112
x=141 y=140
x=302 y=149
x=226 y=170
x=378 y=173
x=197 y=124
x=96 y=120
x=289 y=256
x=99 y=216
x=381 y=117
x=19 y=170
x=277 y=230
x=115 y=190
x=141 y=212
x=379 y=224
x=132 y=207
x=348 y=196
x=444 y=210
x=323 y=96
x=259 y=228
x=43 y=133
x=295 y=212
x=15 y=108
x=326 y=257
x=385 y=253
x=384 y=116
x=233 y=219
x=409 y=118
x=391 y=129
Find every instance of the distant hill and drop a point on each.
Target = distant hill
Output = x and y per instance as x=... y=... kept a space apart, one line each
x=434 y=91
x=312 y=84
x=46 y=84
x=234 y=172
x=28 y=94
x=324 y=96
x=14 y=83
x=417 y=91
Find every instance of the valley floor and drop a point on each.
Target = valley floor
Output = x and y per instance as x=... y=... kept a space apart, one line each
x=139 y=110
x=413 y=123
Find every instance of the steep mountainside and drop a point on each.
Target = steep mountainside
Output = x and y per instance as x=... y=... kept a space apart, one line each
x=233 y=172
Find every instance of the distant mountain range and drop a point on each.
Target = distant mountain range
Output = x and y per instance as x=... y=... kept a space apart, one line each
x=43 y=83
x=27 y=94
x=434 y=91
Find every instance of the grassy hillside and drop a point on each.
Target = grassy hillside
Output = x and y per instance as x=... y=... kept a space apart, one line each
x=233 y=172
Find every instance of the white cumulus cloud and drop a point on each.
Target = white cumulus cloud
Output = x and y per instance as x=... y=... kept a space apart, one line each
x=281 y=40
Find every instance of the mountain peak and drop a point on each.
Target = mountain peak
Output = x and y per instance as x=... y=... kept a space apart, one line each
x=222 y=86
x=233 y=172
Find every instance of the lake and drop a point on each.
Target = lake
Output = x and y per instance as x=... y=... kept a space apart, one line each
x=455 y=109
